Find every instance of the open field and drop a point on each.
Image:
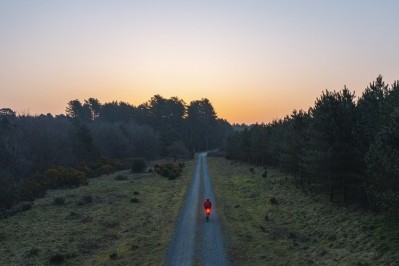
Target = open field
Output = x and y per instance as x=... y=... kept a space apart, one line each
x=118 y=219
x=127 y=219
x=267 y=221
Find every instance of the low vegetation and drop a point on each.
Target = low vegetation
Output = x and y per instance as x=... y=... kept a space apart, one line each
x=14 y=192
x=126 y=218
x=268 y=221
x=111 y=221
x=170 y=170
x=138 y=165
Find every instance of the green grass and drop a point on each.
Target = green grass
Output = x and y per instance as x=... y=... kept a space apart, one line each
x=129 y=221
x=300 y=229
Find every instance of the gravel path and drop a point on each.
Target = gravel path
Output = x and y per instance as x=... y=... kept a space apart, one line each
x=195 y=240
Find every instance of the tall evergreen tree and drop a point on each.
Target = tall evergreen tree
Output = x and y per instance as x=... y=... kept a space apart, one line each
x=295 y=145
x=78 y=111
x=368 y=111
x=202 y=123
x=332 y=147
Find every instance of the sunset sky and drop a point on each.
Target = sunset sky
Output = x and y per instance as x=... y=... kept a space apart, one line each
x=254 y=60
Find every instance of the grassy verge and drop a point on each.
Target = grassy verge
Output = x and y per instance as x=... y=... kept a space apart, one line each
x=118 y=219
x=270 y=222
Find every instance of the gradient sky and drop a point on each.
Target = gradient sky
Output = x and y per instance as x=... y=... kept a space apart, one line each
x=254 y=60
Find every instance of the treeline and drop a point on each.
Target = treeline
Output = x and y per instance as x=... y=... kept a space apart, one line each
x=91 y=131
x=345 y=146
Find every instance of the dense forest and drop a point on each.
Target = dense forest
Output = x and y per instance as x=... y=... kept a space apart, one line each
x=42 y=152
x=343 y=146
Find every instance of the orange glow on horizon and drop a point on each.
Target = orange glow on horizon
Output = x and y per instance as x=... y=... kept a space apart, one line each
x=255 y=61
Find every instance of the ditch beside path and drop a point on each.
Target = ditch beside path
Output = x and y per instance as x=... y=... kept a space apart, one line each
x=196 y=240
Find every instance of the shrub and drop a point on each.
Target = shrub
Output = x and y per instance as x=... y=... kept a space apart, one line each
x=138 y=165
x=24 y=206
x=11 y=191
x=104 y=166
x=169 y=170
x=87 y=199
x=134 y=200
x=59 y=201
x=57 y=259
x=105 y=169
x=33 y=252
x=121 y=177
x=273 y=201
x=59 y=177
x=20 y=207
x=165 y=172
x=85 y=169
x=36 y=186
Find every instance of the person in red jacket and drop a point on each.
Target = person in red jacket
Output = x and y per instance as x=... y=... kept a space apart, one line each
x=208 y=208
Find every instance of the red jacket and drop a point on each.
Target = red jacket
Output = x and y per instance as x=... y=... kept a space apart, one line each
x=207 y=204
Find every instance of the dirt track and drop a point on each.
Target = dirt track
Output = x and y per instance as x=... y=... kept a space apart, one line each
x=195 y=240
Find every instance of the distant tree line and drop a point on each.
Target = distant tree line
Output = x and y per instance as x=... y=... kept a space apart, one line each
x=345 y=146
x=91 y=131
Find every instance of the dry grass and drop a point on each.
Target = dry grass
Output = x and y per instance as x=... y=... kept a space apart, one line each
x=111 y=229
x=296 y=229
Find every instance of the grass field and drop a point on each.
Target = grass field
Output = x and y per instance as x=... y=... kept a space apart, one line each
x=127 y=219
x=119 y=219
x=267 y=221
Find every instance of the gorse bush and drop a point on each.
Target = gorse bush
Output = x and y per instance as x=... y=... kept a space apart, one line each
x=138 y=165
x=105 y=169
x=60 y=177
x=104 y=166
x=13 y=191
x=169 y=170
x=35 y=186
x=10 y=193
